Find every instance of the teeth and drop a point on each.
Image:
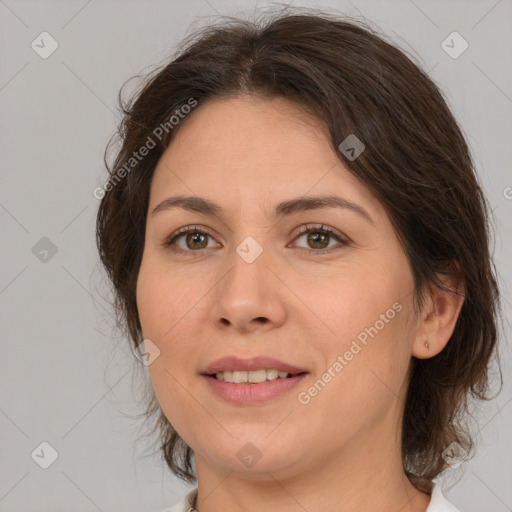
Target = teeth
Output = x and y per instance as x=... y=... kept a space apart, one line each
x=253 y=377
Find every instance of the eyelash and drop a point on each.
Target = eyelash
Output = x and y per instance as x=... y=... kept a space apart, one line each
x=303 y=230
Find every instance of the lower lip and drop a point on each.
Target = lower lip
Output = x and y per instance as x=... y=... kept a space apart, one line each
x=252 y=393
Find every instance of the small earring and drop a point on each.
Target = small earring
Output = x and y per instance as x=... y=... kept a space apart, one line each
x=427 y=345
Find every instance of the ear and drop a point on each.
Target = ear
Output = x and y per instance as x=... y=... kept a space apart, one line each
x=439 y=315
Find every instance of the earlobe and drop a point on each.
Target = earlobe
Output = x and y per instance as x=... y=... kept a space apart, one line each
x=424 y=351
x=438 y=322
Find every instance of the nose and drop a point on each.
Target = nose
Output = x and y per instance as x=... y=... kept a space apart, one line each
x=250 y=296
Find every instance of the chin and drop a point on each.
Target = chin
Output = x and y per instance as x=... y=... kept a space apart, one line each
x=258 y=455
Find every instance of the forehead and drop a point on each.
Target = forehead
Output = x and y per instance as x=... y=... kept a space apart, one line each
x=250 y=126
x=254 y=150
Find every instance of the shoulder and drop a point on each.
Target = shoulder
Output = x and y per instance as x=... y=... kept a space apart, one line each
x=186 y=503
x=438 y=503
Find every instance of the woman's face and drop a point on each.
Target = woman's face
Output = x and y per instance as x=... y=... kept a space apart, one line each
x=256 y=285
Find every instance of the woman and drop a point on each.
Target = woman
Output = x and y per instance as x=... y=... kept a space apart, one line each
x=298 y=244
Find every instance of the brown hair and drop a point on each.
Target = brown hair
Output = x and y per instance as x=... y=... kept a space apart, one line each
x=416 y=162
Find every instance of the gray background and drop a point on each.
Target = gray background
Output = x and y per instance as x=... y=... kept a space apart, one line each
x=65 y=376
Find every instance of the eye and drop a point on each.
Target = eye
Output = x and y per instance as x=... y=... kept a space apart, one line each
x=318 y=237
x=196 y=238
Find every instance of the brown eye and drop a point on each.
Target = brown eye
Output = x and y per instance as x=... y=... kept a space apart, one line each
x=318 y=238
x=194 y=239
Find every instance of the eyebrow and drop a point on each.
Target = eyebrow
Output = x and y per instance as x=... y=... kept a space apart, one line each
x=204 y=206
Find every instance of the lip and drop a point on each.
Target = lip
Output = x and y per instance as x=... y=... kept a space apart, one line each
x=247 y=394
x=233 y=363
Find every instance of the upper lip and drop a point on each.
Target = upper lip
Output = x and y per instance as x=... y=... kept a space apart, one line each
x=232 y=363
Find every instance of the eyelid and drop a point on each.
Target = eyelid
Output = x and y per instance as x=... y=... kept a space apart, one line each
x=304 y=228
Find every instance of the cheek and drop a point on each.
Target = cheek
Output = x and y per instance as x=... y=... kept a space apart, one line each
x=360 y=383
x=166 y=303
x=160 y=309
x=367 y=310
x=164 y=299
x=351 y=298
x=148 y=306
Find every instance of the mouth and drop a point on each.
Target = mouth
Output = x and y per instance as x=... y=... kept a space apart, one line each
x=253 y=381
x=244 y=388
x=253 y=377
x=254 y=370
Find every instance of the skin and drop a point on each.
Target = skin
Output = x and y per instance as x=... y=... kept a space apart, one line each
x=341 y=451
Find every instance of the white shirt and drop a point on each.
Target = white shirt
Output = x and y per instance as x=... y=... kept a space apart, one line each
x=438 y=503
